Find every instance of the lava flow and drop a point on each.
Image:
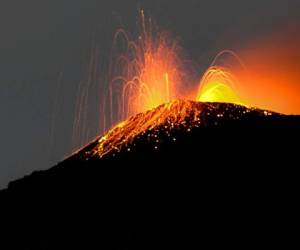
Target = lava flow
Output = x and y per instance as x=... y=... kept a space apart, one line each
x=162 y=124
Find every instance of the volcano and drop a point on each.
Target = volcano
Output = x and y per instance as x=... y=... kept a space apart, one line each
x=159 y=129
x=182 y=174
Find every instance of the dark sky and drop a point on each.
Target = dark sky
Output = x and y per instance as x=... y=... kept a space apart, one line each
x=46 y=45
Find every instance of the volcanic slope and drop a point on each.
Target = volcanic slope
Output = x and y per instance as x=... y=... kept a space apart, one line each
x=183 y=174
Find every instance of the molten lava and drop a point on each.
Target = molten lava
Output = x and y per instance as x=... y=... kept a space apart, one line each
x=151 y=72
x=150 y=85
x=148 y=73
x=169 y=115
x=162 y=123
x=217 y=85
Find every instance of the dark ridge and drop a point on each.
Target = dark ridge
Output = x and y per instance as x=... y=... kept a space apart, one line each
x=229 y=182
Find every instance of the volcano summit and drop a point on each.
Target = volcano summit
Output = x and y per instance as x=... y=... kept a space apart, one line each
x=162 y=127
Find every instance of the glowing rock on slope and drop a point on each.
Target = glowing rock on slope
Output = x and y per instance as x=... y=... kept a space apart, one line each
x=161 y=124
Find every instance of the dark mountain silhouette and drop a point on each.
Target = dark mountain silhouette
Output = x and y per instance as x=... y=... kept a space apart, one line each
x=180 y=176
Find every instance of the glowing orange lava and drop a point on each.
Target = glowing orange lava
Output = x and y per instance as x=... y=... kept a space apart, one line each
x=219 y=84
x=149 y=71
x=165 y=117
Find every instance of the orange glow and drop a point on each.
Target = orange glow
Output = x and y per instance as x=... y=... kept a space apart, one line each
x=149 y=71
x=218 y=85
x=272 y=79
x=166 y=116
x=267 y=76
x=154 y=77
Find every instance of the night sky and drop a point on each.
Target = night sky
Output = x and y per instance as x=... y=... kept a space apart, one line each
x=46 y=46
